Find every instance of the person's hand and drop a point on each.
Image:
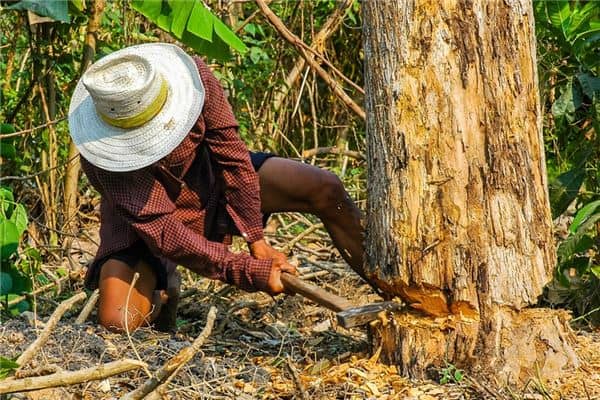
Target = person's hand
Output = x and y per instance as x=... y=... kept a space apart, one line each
x=263 y=251
x=274 y=285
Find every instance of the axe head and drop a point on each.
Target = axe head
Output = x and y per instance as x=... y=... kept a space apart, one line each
x=364 y=314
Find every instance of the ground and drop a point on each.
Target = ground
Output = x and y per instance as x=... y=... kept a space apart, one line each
x=260 y=347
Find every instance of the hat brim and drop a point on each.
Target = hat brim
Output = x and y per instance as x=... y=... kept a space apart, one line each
x=121 y=150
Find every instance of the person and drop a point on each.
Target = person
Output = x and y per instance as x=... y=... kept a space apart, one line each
x=158 y=140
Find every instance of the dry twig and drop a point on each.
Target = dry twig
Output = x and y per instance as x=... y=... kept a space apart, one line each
x=168 y=370
x=50 y=325
x=301 y=47
x=89 y=306
x=65 y=378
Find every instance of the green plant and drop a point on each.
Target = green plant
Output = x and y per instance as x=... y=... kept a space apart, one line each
x=15 y=271
x=451 y=374
x=7 y=367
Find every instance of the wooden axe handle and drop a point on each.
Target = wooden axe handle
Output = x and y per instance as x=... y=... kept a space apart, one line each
x=315 y=293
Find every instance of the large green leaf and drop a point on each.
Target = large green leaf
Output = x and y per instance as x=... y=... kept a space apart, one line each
x=55 y=9
x=564 y=189
x=19 y=218
x=559 y=13
x=201 y=22
x=193 y=24
x=181 y=14
x=9 y=239
x=583 y=214
x=228 y=37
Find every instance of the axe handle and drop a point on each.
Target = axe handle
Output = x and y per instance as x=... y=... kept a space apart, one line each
x=315 y=293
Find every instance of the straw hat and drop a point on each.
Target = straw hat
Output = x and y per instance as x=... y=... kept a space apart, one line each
x=134 y=106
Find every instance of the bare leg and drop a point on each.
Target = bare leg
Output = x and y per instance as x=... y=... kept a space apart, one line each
x=287 y=185
x=114 y=283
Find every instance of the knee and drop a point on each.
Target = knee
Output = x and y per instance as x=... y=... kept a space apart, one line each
x=114 y=320
x=329 y=195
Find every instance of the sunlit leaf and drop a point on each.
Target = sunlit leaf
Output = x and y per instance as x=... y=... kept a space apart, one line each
x=19 y=218
x=201 y=22
x=583 y=214
x=9 y=239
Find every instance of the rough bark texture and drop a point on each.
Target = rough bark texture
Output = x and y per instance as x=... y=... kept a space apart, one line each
x=458 y=218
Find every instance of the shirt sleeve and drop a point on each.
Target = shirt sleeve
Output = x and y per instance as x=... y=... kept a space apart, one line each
x=242 y=190
x=139 y=198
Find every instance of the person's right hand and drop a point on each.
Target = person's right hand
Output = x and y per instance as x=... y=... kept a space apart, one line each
x=274 y=285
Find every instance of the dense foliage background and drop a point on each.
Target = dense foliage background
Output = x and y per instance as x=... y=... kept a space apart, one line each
x=282 y=105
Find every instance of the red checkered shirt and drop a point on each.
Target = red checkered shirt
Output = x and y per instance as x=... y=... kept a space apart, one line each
x=182 y=205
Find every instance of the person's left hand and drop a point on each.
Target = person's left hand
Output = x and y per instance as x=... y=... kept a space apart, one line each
x=264 y=251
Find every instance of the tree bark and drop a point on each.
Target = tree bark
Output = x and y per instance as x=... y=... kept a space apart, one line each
x=458 y=220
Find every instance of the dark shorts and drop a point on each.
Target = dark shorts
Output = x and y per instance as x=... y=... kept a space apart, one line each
x=140 y=252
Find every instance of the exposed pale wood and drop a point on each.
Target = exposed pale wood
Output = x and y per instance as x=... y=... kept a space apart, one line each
x=50 y=325
x=174 y=364
x=65 y=378
x=458 y=214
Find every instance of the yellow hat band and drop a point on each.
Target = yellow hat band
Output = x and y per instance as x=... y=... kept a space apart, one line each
x=146 y=115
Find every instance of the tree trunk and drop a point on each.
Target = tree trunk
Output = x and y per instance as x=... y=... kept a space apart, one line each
x=458 y=220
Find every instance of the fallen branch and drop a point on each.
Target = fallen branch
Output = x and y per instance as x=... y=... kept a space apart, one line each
x=301 y=47
x=65 y=378
x=89 y=306
x=301 y=236
x=333 y=150
x=50 y=325
x=168 y=370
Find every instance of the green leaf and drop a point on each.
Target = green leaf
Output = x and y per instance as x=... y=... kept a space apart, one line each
x=6 y=283
x=55 y=9
x=7 y=366
x=79 y=5
x=458 y=375
x=590 y=84
x=228 y=36
x=577 y=243
x=251 y=29
x=7 y=128
x=9 y=239
x=569 y=101
x=19 y=218
x=559 y=13
x=181 y=14
x=583 y=214
x=564 y=189
x=150 y=9
x=595 y=269
x=201 y=22
x=7 y=150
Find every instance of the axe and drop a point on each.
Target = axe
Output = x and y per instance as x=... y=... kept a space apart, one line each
x=348 y=315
